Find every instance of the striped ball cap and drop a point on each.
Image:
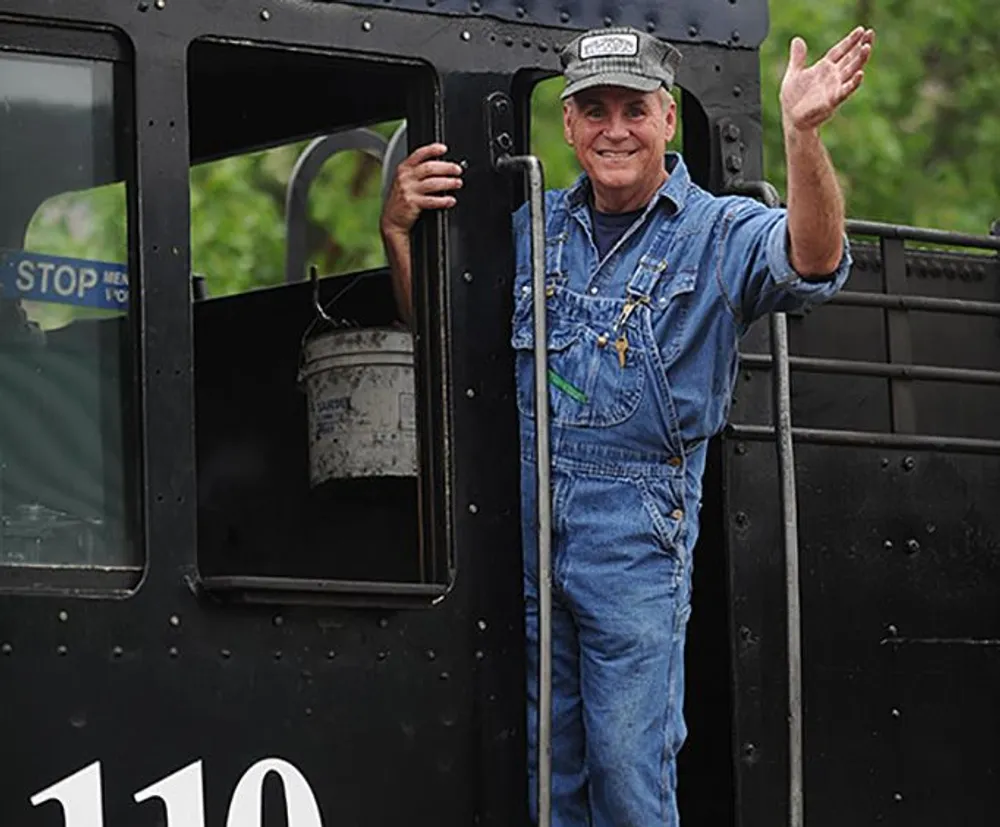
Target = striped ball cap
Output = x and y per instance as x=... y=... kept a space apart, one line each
x=620 y=56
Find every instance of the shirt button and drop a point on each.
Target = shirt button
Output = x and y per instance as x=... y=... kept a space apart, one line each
x=677 y=514
x=674 y=461
x=593 y=291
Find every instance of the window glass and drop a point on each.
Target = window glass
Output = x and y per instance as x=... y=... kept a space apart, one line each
x=67 y=420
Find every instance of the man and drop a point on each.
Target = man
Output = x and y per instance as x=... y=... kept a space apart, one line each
x=650 y=283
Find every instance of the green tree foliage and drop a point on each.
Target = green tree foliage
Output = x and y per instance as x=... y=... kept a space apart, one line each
x=918 y=145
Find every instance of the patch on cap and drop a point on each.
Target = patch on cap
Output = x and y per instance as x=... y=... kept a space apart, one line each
x=606 y=45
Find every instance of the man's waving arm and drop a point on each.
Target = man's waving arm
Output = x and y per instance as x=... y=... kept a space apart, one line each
x=810 y=95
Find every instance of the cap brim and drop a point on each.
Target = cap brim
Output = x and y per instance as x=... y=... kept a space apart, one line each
x=639 y=84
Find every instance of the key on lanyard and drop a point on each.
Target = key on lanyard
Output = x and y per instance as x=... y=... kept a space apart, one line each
x=621 y=346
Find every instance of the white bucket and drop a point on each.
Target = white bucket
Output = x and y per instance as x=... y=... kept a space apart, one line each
x=360 y=395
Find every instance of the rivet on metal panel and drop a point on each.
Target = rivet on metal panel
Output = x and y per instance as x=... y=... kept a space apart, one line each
x=912 y=546
x=469 y=392
x=6 y=649
x=526 y=43
x=467 y=277
x=117 y=652
x=366 y=26
x=608 y=21
x=481 y=625
x=173 y=651
x=278 y=620
x=749 y=751
x=160 y=4
x=896 y=713
x=466 y=36
x=909 y=463
x=931 y=528
x=473 y=508
x=382 y=656
x=143 y=5
x=62 y=649
x=431 y=654
x=887 y=545
x=734 y=163
x=476 y=6
x=331 y=655
x=897 y=797
x=736 y=37
x=309 y=710
x=741 y=449
x=742 y=520
x=564 y=16
x=445 y=676
x=692 y=31
x=63 y=616
x=650 y=26
x=542 y=46
x=226 y=654
x=519 y=11
x=508 y=41
x=277 y=654
x=737 y=91
x=383 y=622
x=892 y=630
x=885 y=462
x=175 y=621
x=480 y=654
x=265 y=15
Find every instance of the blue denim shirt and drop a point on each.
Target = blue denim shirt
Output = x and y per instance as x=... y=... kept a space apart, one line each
x=705 y=267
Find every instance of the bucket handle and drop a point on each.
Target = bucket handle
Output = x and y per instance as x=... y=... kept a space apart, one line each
x=321 y=316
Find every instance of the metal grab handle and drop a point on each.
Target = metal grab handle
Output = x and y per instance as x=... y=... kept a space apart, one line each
x=499 y=118
x=536 y=206
x=782 y=392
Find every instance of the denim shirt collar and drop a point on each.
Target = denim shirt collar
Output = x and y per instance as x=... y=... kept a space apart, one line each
x=674 y=190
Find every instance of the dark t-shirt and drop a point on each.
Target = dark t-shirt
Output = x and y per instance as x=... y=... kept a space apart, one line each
x=609 y=227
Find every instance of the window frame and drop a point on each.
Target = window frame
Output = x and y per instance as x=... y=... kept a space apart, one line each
x=107 y=45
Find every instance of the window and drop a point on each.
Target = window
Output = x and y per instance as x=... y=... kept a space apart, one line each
x=68 y=448
x=314 y=456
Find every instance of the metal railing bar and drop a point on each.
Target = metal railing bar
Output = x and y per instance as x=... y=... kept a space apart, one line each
x=924 y=303
x=905 y=233
x=930 y=373
x=870 y=439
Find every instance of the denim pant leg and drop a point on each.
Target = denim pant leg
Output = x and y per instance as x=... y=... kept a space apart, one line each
x=569 y=780
x=629 y=594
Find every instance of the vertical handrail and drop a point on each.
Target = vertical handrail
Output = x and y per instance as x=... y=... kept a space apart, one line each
x=782 y=393
x=536 y=206
x=790 y=536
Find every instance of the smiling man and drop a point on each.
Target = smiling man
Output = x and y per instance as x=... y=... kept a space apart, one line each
x=651 y=281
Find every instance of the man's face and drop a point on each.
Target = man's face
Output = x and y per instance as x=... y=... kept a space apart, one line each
x=619 y=136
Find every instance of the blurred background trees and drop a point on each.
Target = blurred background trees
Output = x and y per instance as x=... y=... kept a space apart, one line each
x=919 y=145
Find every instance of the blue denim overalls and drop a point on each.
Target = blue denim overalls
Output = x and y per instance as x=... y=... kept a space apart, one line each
x=624 y=347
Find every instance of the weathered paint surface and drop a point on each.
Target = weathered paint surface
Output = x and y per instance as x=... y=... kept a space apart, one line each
x=362 y=418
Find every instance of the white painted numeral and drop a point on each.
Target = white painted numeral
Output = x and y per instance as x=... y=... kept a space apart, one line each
x=80 y=797
x=183 y=795
x=301 y=809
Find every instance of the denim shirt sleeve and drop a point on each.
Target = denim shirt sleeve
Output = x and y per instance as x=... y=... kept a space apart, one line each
x=753 y=265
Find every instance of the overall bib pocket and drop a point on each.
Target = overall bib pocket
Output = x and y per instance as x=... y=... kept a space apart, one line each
x=590 y=383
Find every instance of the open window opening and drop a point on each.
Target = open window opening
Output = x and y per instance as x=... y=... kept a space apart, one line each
x=68 y=416
x=317 y=464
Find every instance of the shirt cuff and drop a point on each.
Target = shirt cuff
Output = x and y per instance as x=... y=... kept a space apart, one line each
x=785 y=276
